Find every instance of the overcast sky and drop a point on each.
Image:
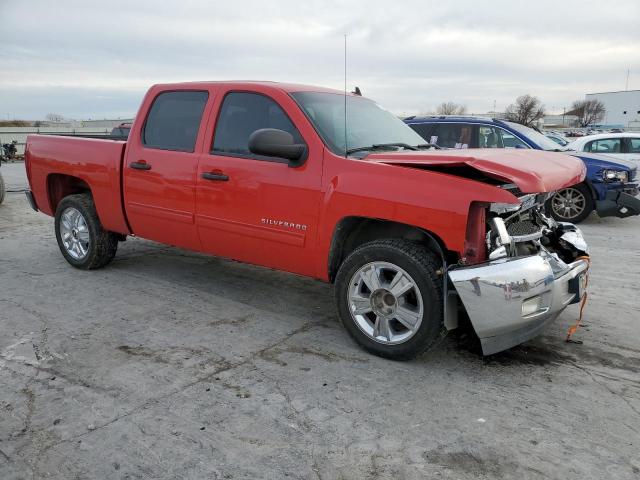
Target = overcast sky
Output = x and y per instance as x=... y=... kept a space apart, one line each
x=89 y=59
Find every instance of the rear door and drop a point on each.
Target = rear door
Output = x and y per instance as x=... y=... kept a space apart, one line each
x=159 y=172
x=253 y=208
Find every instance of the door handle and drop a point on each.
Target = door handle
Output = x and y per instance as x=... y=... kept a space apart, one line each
x=140 y=165
x=221 y=177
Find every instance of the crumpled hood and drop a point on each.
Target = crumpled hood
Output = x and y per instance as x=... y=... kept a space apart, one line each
x=532 y=171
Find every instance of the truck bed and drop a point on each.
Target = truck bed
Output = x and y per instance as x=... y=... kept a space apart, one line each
x=92 y=162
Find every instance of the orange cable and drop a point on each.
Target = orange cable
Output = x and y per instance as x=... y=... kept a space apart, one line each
x=574 y=328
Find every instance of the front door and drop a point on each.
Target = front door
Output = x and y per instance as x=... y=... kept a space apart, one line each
x=253 y=208
x=159 y=172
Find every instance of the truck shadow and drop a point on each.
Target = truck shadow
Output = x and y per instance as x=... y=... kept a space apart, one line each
x=312 y=300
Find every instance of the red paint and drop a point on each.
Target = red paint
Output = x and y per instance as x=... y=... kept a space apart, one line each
x=268 y=213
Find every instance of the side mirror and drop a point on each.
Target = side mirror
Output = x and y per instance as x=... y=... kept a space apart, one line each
x=272 y=142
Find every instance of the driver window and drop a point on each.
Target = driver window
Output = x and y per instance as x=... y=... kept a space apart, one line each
x=243 y=113
x=509 y=140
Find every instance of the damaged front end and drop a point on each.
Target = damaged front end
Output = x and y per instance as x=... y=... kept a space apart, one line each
x=533 y=268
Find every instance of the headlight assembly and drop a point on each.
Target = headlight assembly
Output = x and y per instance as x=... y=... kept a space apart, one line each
x=615 y=176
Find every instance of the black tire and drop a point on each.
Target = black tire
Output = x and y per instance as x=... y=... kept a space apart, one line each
x=576 y=216
x=3 y=189
x=102 y=244
x=421 y=265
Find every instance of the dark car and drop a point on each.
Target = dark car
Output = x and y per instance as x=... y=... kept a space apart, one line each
x=121 y=131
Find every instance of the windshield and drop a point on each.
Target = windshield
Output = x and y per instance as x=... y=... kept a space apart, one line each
x=536 y=137
x=367 y=124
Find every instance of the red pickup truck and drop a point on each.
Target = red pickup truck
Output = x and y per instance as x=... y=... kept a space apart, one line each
x=277 y=175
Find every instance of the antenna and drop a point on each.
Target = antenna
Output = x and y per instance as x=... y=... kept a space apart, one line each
x=627 y=84
x=345 y=95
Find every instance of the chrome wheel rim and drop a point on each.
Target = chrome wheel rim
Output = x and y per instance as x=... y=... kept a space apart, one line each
x=385 y=303
x=568 y=203
x=74 y=233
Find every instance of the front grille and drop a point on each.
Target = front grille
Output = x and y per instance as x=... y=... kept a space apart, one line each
x=524 y=227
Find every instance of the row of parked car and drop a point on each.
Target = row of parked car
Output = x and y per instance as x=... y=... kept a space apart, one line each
x=590 y=131
x=611 y=159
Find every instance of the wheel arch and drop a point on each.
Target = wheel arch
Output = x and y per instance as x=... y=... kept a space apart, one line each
x=61 y=185
x=351 y=232
x=594 y=193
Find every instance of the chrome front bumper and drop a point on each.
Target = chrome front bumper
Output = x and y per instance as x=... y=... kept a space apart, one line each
x=510 y=300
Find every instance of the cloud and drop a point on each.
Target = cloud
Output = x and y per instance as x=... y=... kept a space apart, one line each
x=89 y=59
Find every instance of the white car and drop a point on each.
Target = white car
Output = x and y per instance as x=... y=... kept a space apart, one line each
x=625 y=146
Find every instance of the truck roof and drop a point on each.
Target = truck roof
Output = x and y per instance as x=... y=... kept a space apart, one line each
x=284 y=87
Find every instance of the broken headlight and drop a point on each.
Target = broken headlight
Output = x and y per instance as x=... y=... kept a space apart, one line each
x=614 y=176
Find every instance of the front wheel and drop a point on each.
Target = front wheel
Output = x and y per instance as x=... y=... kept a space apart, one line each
x=389 y=297
x=81 y=238
x=572 y=204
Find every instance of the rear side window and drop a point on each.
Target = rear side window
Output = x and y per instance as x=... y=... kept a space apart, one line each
x=174 y=120
x=634 y=145
x=453 y=135
x=606 y=145
x=242 y=114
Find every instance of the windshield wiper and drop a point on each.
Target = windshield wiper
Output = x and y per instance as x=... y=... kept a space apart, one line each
x=428 y=145
x=380 y=146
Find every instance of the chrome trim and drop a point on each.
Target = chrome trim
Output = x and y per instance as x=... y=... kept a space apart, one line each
x=498 y=226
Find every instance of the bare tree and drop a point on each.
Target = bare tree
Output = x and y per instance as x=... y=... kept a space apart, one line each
x=451 y=108
x=527 y=110
x=588 y=111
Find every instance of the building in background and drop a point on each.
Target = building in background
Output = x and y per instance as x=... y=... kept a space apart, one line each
x=9 y=134
x=622 y=108
x=559 y=120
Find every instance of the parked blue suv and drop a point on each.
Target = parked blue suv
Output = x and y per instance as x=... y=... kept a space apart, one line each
x=610 y=186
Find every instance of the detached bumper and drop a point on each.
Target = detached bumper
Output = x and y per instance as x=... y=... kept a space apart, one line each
x=619 y=204
x=31 y=200
x=511 y=300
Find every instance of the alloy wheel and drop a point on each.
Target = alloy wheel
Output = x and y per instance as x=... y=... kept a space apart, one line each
x=74 y=232
x=568 y=203
x=385 y=302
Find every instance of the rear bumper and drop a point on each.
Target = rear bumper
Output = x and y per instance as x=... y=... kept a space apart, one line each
x=619 y=204
x=511 y=300
x=31 y=199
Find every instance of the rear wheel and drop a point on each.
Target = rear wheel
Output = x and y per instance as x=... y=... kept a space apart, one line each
x=572 y=204
x=81 y=238
x=389 y=298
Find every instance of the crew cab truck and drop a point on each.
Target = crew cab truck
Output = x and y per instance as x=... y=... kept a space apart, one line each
x=277 y=175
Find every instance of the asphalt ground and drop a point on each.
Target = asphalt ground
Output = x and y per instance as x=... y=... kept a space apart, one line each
x=170 y=364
